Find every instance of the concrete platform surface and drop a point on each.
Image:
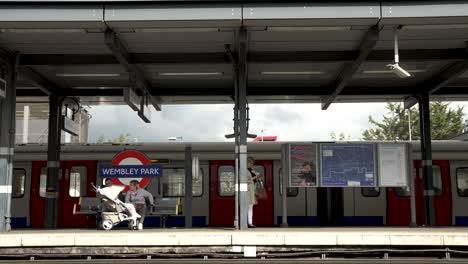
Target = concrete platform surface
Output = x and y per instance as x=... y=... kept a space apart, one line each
x=228 y=237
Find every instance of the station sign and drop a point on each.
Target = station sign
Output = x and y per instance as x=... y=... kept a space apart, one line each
x=130 y=165
x=70 y=126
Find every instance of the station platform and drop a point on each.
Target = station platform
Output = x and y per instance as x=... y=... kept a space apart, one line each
x=228 y=237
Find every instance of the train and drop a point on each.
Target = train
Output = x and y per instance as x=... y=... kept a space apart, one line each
x=213 y=187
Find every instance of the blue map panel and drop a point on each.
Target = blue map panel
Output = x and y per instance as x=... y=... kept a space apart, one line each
x=346 y=165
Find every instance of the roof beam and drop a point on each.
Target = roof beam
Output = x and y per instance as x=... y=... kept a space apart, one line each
x=435 y=83
x=252 y=58
x=253 y=91
x=45 y=85
x=124 y=58
x=365 y=48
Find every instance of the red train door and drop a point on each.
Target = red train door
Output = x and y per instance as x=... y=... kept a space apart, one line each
x=398 y=199
x=222 y=191
x=75 y=180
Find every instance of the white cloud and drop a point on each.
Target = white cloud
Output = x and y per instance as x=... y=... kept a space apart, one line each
x=212 y=122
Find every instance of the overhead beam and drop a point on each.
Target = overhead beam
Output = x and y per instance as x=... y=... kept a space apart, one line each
x=366 y=46
x=435 y=83
x=252 y=57
x=124 y=58
x=253 y=91
x=45 y=85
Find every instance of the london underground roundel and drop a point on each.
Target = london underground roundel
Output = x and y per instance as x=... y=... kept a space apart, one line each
x=131 y=157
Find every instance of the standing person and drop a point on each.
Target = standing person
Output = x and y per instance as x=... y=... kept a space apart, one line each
x=251 y=179
x=137 y=197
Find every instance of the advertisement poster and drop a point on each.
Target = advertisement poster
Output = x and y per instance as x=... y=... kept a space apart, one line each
x=303 y=165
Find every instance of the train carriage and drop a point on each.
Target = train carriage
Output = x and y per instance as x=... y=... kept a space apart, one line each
x=213 y=187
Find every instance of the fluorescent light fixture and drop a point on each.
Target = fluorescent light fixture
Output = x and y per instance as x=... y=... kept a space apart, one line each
x=389 y=71
x=291 y=73
x=175 y=30
x=43 y=30
x=191 y=73
x=329 y=28
x=87 y=74
x=446 y=26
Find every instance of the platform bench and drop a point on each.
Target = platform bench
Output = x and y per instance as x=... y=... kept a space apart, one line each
x=163 y=207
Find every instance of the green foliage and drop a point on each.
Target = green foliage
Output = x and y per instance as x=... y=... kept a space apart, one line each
x=121 y=139
x=341 y=137
x=445 y=123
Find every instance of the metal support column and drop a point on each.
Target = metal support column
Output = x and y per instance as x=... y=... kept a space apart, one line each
x=242 y=123
x=7 y=142
x=188 y=187
x=53 y=162
x=412 y=187
x=426 y=152
x=236 y=151
x=285 y=165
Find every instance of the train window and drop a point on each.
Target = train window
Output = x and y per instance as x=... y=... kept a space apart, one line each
x=19 y=177
x=78 y=181
x=370 y=191
x=462 y=182
x=226 y=178
x=292 y=191
x=43 y=182
x=173 y=181
x=437 y=179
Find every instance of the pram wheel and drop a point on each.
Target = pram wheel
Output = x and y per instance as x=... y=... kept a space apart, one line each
x=107 y=224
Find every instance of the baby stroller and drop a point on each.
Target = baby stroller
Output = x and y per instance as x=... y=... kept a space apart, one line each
x=115 y=211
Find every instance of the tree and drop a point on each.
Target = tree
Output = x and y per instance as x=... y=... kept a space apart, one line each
x=445 y=123
x=122 y=138
x=341 y=137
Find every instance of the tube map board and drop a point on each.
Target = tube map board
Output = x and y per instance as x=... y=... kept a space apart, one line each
x=348 y=165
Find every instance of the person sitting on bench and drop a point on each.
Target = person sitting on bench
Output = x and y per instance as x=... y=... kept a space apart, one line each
x=138 y=197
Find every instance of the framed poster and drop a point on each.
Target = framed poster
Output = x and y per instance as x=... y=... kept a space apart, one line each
x=393 y=164
x=348 y=165
x=303 y=165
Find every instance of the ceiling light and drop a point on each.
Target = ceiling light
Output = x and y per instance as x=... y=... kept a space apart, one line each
x=330 y=28
x=446 y=26
x=291 y=73
x=175 y=30
x=43 y=30
x=87 y=74
x=191 y=73
x=389 y=71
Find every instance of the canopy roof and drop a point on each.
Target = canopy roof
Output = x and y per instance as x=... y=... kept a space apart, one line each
x=297 y=52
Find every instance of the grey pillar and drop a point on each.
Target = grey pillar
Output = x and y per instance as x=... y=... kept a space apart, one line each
x=412 y=187
x=426 y=152
x=236 y=150
x=242 y=144
x=285 y=165
x=7 y=142
x=53 y=162
x=188 y=187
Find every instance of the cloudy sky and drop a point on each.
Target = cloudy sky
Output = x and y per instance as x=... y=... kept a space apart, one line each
x=212 y=122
